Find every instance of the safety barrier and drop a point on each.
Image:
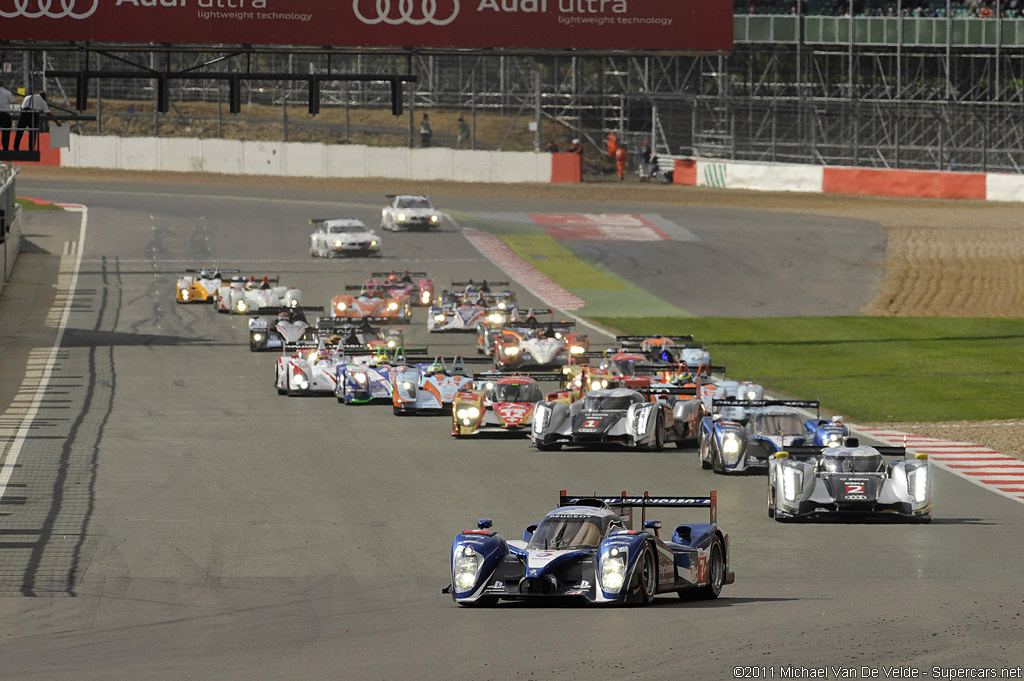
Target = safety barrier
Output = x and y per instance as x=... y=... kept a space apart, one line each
x=295 y=159
x=10 y=224
x=851 y=181
x=237 y=157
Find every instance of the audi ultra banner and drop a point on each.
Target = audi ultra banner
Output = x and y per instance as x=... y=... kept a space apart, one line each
x=663 y=25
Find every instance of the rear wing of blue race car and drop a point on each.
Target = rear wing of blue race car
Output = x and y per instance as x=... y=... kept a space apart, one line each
x=798 y=404
x=624 y=504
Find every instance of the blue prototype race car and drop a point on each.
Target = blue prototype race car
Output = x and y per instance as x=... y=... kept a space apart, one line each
x=586 y=548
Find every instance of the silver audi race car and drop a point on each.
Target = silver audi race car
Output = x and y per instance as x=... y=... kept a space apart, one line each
x=849 y=480
x=613 y=416
x=587 y=549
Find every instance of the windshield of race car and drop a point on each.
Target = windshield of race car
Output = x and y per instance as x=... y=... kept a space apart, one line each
x=610 y=402
x=515 y=392
x=413 y=202
x=566 y=532
x=773 y=424
x=852 y=464
x=621 y=367
x=346 y=229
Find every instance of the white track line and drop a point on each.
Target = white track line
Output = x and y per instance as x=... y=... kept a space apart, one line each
x=10 y=462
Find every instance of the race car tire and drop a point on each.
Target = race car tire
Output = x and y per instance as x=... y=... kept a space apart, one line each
x=277 y=384
x=771 y=502
x=659 y=434
x=704 y=463
x=648 y=567
x=549 y=446
x=716 y=571
x=400 y=412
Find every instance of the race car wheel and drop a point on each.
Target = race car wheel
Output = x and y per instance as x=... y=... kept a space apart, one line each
x=716 y=571
x=771 y=501
x=648 y=576
x=277 y=384
x=704 y=463
x=659 y=434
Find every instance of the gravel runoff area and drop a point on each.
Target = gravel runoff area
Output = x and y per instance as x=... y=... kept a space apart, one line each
x=950 y=258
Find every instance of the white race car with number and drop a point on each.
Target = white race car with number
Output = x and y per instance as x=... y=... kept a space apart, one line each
x=406 y=211
x=336 y=237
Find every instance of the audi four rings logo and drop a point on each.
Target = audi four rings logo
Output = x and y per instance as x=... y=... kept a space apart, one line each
x=395 y=12
x=50 y=9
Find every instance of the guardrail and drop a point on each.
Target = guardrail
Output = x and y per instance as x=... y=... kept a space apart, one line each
x=10 y=223
x=917 y=31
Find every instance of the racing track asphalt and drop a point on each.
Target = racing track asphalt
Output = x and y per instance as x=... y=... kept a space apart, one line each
x=209 y=529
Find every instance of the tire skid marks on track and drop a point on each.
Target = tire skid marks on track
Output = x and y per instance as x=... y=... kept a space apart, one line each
x=981 y=465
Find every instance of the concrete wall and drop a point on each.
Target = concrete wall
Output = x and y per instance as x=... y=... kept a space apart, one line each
x=295 y=159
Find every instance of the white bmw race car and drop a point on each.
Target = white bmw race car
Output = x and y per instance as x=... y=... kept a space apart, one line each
x=406 y=211
x=336 y=237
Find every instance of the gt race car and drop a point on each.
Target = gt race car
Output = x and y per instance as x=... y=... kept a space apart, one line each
x=409 y=211
x=335 y=237
x=273 y=327
x=612 y=416
x=200 y=286
x=746 y=433
x=586 y=548
x=851 y=480
x=241 y=297
x=498 y=403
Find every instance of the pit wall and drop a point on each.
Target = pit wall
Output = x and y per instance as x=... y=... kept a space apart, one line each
x=296 y=159
x=838 y=180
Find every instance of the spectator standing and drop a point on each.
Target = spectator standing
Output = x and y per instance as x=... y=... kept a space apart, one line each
x=613 y=141
x=621 y=156
x=425 y=131
x=950 y=163
x=551 y=147
x=32 y=110
x=6 y=102
x=463 y=136
x=645 y=162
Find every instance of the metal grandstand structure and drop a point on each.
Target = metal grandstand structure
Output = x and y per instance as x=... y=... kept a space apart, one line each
x=898 y=92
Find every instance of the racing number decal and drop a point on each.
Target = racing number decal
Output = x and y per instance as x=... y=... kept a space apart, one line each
x=702 y=569
x=855 y=488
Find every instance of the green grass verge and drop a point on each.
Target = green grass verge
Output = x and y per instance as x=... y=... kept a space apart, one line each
x=869 y=368
x=605 y=292
x=27 y=204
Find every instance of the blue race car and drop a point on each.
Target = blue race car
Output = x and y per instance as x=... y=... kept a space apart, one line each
x=586 y=548
x=826 y=432
x=744 y=434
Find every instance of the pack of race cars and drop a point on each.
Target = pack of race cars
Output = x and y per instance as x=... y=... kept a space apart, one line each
x=541 y=379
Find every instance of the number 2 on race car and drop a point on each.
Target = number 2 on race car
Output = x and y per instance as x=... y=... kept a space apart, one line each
x=702 y=569
x=854 y=488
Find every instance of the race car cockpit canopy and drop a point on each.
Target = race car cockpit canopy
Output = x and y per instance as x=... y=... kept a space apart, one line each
x=859 y=460
x=515 y=392
x=569 y=531
x=779 y=423
x=611 y=400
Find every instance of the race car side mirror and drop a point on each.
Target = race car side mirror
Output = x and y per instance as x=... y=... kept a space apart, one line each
x=652 y=525
x=781 y=455
x=484 y=523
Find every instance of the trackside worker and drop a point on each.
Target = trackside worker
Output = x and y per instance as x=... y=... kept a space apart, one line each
x=621 y=156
